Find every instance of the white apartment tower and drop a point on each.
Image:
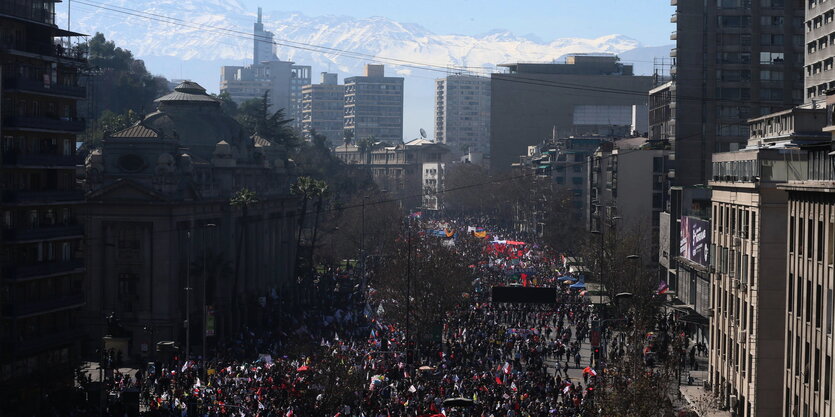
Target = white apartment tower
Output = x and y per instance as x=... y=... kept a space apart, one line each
x=462 y=113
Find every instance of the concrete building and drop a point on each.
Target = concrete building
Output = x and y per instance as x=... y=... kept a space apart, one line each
x=399 y=169
x=661 y=122
x=820 y=54
x=41 y=269
x=734 y=60
x=282 y=79
x=159 y=215
x=462 y=113
x=749 y=211
x=374 y=105
x=809 y=304
x=433 y=185
x=576 y=97
x=323 y=108
x=627 y=179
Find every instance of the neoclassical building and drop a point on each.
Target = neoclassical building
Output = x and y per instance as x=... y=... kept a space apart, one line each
x=158 y=213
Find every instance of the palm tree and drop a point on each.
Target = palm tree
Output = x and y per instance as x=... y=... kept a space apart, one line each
x=347 y=137
x=365 y=146
x=320 y=191
x=243 y=199
x=308 y=188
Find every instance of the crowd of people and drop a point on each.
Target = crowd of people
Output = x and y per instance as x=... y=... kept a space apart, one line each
x=340 y=358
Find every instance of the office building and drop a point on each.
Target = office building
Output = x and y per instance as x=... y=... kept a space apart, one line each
x=158 y=203
x=734 y=60
x=323 y=108
x=282 y=79
x=820 y=51
x=374 y=106
x=462 y=113
x=576 y=97
x=263 y=47
x=41 y=292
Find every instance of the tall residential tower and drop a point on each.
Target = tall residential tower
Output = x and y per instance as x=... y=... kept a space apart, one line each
x=462 y=113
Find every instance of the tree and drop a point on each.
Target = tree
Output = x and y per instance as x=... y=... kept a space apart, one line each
x=308 y=188
x=227 y=104
x=365 y=146
x=242 y=200
x=436 y=277
x=347 y=137
x=255 y=116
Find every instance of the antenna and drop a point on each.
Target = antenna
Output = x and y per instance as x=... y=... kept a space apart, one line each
x=422 y=133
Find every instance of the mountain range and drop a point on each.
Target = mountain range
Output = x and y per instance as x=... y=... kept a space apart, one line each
x=192 y=39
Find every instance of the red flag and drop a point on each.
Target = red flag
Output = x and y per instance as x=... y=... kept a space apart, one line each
x=498 y=380
x=524 y=280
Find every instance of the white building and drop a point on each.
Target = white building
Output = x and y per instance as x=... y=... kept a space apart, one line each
x=433 y=185
x=462 y=113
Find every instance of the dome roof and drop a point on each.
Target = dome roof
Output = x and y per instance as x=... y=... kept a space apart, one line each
x=187 y=91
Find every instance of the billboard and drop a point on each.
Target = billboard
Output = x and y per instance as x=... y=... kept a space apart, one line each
x=695 y=240
x=524 y=295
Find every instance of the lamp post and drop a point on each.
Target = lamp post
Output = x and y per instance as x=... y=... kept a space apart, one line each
x=408 y=289
x=188 y=295
x=362 y=247
x=206 y=227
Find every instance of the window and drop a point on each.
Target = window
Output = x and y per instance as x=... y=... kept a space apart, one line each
x=753 y=225
x=818 y=307
x=819 y=251
x=808 y=304
x=771 y=57
x=790 y=305
x=810 y=237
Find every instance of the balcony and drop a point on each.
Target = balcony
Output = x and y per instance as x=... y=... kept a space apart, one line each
x=38 y=86
x=28 y=11
x=18 y=307
x=73 y=125
x=674 y=36
x=673 y=52
x=43 y=233
x=38 y=160
x=673 y=2
x=674 y=18
x=73 y=52
x=42 y=270
x=47 y=197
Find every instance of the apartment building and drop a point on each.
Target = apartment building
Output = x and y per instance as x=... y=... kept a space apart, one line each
x=323 y=107
x=733 y=60
x=42 y=270
x=462 y=113
x=374 y=105
x=820 y=51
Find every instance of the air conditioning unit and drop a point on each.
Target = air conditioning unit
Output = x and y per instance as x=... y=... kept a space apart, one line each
x=735 y=284
x=742 y=335
x=743 y=286
x=737 y=242
x=710 y=312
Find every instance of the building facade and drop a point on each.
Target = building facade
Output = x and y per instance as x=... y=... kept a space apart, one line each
x=627 y=179
x=282 y=80
x=159 y=205
x=462 y=113
x=263 y=46
x=530 y=101
x=733 y=60
x=41 y=293
x=323 y=108
x=399 y=169
x=820 y=36
x=374 y=106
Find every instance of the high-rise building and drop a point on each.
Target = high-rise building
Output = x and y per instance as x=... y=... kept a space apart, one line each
x=374 y=105
x=462 y=113
x=323 y=108
x=734 y=60
x=42 y=271
x=263 y=47
x=282 y=79
x=586 y=95
x=820 y=54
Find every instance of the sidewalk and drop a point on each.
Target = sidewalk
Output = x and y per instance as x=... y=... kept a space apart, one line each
x=695 y=394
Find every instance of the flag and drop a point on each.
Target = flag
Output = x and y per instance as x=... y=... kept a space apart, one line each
x=662 y=288
x=506 y=368
x=513 y=386
x=498 y=380
x=412 y=389
x=524 y=280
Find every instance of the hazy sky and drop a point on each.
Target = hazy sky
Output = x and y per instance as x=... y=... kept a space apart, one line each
x=645 y=20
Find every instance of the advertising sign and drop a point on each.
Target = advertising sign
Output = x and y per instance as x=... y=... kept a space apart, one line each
x=210 y=321
x=695 y=240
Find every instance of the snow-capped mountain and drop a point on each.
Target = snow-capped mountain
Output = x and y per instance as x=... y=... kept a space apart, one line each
x=193 y=38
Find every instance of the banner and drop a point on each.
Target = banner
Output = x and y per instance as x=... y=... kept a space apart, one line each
x=695 y=240
x=210 y=321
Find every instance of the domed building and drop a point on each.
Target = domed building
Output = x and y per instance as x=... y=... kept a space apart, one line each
x=158 y=200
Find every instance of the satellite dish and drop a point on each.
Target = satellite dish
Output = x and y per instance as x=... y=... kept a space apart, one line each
x=422 y=133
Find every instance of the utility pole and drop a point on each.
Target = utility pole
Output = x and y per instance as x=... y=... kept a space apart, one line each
x=408 y=289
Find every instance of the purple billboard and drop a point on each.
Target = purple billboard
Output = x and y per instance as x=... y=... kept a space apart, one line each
x=695 y=240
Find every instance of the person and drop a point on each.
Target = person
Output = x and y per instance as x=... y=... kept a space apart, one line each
x=577 y=359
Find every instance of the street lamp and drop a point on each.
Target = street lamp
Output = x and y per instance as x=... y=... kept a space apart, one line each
x=188 y=295
x=206 y=227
